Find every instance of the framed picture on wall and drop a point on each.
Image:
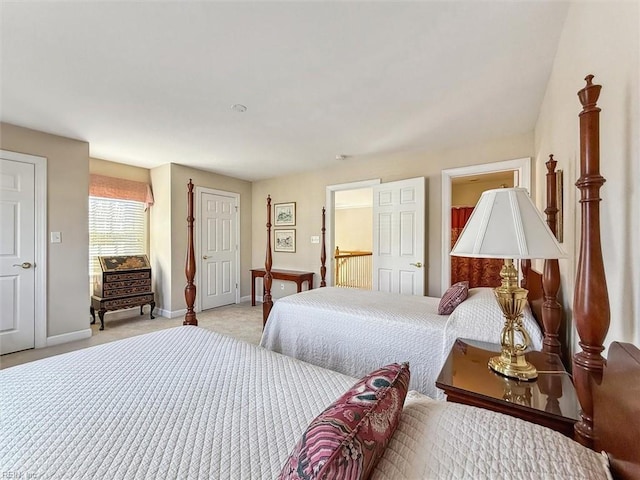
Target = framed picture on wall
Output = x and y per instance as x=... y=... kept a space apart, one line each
x=284 y=240
x=284 y=214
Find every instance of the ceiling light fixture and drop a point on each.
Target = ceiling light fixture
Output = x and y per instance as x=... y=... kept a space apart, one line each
x=341 y=157
x=238 y=107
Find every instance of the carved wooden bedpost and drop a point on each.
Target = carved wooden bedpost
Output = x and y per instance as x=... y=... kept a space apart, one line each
x=190 y=267
x=267 y=302
x=525 y=266
x=591 y=301
x=551 y=309
x=323 y=252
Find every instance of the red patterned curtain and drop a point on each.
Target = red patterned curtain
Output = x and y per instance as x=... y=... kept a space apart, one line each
x=479 y=272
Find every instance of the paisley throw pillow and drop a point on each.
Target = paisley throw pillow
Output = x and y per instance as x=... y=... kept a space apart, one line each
x=347 y=439
x=454 y=296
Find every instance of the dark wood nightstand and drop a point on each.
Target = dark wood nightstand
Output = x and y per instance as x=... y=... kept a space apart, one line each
x=550 y=400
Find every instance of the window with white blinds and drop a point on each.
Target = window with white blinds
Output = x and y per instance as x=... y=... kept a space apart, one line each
x=116 y=227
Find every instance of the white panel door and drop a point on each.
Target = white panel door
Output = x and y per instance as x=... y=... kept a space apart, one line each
x=218 y=247
x=398 y=236
x=17 y=254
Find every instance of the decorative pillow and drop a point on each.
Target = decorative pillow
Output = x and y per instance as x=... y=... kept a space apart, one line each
x=347 y=439
x=454 y=296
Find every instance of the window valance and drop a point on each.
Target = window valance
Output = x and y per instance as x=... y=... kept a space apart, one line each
x=111 y=187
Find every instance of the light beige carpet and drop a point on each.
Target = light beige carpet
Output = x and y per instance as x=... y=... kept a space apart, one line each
x=241 y=321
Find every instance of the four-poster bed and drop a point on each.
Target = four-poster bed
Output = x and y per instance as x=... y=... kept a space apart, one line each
x=190 y=403
x=352 y=331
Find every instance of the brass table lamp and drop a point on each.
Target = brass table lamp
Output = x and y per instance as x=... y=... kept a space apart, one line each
x=506 y=224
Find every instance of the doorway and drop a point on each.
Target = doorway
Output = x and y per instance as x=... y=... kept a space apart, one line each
x=465 y=194
x=217 y=248
x=521 y=168
x=345 y=193
x=23 y=194
x=353 y=237
x=397 y=230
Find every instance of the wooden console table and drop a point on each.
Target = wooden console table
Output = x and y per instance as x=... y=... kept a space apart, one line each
x=289 y=275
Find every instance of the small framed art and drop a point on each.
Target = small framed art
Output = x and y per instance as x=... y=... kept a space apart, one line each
x=284 y=240
x=284 y=214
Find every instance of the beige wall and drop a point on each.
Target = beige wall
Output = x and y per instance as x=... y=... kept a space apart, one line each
x=67 y=212
x=169 y=233
x=468 y=194
x=600 y=38
x=308 y=190
x=68 y=168
x=160 y=235
x=354 y=229
x=119 y=170
x=167 y=224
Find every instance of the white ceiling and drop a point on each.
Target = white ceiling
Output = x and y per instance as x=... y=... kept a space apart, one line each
x=147 y=83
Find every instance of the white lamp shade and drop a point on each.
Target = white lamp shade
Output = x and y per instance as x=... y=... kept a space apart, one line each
x=506 y=224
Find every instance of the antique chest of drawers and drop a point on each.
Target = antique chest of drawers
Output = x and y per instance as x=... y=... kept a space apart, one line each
x=125 y=281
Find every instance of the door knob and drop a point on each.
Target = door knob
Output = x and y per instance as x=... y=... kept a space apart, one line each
x=417 y=264
x=24 y=265
x=205 y=257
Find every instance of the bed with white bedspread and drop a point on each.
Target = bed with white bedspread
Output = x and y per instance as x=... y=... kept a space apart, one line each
x=354 y=331
x=187 y=403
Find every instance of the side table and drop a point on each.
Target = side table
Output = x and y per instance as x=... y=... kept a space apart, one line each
x=550 y=400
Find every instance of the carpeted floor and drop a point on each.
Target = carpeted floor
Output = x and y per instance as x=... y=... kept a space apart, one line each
x=241 y=321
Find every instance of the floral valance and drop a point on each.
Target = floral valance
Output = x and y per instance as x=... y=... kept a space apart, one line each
x=111 y=187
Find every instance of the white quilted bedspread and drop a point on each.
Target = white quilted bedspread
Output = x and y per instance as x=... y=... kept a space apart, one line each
x=183 y=403
x=354 y=331
x=440 y=440
x=187 y=403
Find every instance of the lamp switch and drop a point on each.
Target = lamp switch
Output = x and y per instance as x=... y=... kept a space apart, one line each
x=315 y=239
x=56 y=237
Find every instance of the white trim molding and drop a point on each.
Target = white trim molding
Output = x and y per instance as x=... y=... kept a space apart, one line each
x=523 y=179
x=68 y=337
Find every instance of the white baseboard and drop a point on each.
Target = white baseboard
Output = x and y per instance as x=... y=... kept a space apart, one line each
x=246 y=298
x=171 y=314
x=68 y=337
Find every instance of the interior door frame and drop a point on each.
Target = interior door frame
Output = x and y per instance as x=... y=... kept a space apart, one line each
x=198 y=246
x=520 y=165
x=40 y=260
x=330 y=216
